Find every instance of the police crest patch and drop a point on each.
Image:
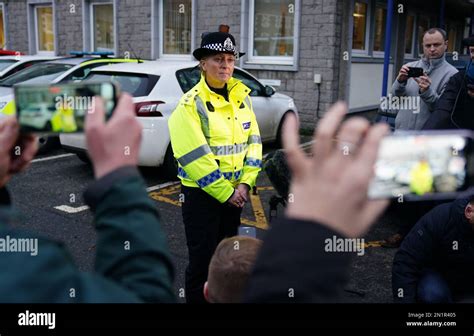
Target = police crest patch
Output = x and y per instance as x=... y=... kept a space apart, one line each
x=246 y=125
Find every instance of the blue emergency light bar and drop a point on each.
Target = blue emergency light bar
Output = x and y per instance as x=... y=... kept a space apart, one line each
x=91 y=53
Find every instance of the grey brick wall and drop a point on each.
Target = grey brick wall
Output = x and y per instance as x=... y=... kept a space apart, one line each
x=134 y=27
x=17 y=23
x=212 y=13
x=69 y=26
x=319 y=42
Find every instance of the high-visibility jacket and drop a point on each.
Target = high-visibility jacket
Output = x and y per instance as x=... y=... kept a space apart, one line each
x=216 y=142
x=9 y=109
x=421 y=178
x=63 y=120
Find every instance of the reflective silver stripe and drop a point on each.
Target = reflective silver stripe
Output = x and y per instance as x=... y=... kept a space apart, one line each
x=254 y=139
x=194 y=155
x=249 y=102
x=229 y=150
x=201 y=109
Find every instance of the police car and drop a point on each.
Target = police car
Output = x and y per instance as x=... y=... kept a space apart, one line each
x=157 y=86
x=74 y=68
x=12 y=64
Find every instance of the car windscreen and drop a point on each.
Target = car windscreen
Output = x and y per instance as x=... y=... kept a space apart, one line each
x=6 y=63
x=189 y=77
x=138 y=85
x=44 y=73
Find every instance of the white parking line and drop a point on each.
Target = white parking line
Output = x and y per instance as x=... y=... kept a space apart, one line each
x=52 y=157
x=73 y=210
x=70 y=209
x=161 y=186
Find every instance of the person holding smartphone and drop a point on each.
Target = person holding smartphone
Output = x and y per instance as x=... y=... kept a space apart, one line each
x=423 y=89
x=216 y=141
x=454 y=109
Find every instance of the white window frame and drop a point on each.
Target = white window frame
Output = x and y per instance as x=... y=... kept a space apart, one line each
x=161 y=54
x=92 y=28
x=368 y=27
x=379 y=54
x=276 y=60
x=2 y=8
x=36 y=32
x=413 y=37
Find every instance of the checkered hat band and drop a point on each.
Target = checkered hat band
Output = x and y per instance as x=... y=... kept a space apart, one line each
x=218 y=47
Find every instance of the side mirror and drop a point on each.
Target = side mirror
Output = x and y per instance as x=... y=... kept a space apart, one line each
x=269 y=91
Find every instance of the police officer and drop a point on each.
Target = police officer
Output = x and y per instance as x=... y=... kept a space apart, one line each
x=216 y=141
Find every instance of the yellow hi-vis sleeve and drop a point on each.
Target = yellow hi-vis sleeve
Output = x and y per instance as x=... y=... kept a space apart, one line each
x=192 y=151
x=253 y=159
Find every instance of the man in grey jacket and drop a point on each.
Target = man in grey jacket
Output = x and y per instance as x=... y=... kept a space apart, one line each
x=421 y=93
x=418 y=97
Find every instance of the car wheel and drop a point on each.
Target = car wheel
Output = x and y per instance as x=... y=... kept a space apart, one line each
x=278 y=141
x=170 y=165
x=83 y=157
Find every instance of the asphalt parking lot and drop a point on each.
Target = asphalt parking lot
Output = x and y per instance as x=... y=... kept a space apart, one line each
x=49 y=197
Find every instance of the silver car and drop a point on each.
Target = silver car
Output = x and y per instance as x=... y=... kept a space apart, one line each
x=157 y=87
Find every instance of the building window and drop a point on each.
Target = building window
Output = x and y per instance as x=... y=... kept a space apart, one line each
x=423 y=26
x=409 y=34
x=44 y=29
x=379 y=31
x=177 y=27
x=3 y=39
x=359 y=39
x=452 y=37
x=102 y=19
x=272 y=31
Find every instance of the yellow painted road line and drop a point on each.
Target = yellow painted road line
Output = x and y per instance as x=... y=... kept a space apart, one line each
x=165 y=195
x=157 y=196
x=265 y=188
x=374 y=243
x=259 y=212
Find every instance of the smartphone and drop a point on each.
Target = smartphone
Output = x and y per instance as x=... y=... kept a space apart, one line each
x=248 y=231
x=60 y=108
x=427 y=165
x=415 y=72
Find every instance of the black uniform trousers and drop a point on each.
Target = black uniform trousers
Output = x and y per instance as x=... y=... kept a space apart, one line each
x=206 y=222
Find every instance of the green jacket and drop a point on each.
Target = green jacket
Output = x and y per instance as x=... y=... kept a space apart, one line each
x=124 y=217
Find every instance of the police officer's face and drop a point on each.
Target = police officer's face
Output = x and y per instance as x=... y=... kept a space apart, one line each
x=434 y=45
x=218 y=69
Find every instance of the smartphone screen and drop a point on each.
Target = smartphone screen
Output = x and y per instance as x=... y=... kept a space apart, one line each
x=426 y=165
x=60 y=108
x=415 y=72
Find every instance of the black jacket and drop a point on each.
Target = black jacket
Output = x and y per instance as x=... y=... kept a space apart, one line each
x=463 y=115
x=293 y=265
x=442 y=240
x=123 y=213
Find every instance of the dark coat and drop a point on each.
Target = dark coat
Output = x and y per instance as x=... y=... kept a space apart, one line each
x=442 y=240
x=463 y=115
x=123 y=213
x=293 y=265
